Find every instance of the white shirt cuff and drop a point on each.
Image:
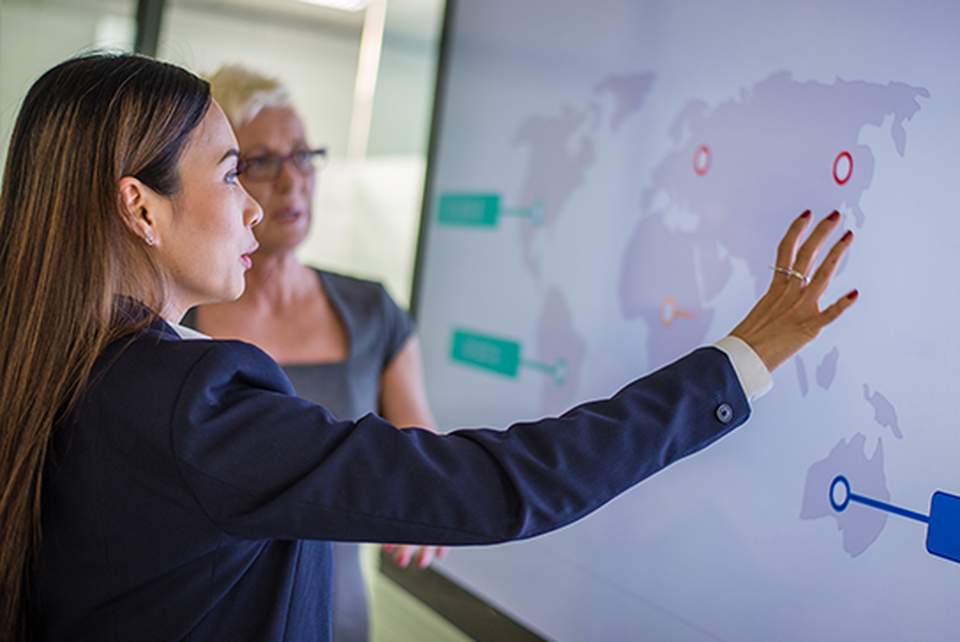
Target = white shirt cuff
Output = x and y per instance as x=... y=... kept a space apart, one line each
x=754 y=376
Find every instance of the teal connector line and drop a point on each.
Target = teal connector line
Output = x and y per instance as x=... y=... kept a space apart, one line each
x=501 y=356
x=482 y=210
x=534 y=213
x=559 y=370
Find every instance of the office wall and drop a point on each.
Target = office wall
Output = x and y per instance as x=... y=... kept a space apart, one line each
x=34 y=37
x=366 y=215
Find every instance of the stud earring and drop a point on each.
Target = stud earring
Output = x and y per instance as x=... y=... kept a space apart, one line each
x=148 y=236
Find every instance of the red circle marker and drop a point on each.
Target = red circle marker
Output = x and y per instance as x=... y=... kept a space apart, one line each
x=838 y=168
x=701 y=160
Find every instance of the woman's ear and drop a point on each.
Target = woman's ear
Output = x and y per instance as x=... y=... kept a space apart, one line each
x=136 y=207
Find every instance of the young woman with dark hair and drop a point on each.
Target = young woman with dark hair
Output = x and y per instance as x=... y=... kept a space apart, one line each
x=67 y=257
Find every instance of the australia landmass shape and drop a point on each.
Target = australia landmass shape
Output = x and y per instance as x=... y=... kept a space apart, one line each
x=859 y=524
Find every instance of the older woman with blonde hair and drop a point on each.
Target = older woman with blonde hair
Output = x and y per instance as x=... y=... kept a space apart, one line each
x=342 y=341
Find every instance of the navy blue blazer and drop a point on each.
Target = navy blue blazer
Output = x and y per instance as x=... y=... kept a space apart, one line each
x=192 y=495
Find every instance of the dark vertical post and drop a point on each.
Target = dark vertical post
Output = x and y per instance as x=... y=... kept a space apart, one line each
x=149 y=16
x=426 y=209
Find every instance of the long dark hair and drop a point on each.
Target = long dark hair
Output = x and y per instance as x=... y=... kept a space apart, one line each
x=67 y=257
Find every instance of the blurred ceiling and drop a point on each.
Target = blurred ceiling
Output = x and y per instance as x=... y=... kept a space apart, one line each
x=279 y=11
x=408 y=18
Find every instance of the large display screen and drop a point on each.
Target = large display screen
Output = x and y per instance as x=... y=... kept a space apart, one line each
x=609 y=181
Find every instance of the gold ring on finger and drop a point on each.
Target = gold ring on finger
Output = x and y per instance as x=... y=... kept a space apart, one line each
x=791 y=272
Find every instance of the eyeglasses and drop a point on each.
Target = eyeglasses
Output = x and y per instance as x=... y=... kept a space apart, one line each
x=268 y=167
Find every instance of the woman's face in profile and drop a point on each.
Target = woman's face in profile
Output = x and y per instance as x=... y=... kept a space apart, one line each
x=287 y=199
x=204 y=235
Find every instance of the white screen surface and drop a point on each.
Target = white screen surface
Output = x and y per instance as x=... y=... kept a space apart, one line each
x=610 y=180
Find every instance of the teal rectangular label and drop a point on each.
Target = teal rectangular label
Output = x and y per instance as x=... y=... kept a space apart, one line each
x=471 y=210
x=499 y=355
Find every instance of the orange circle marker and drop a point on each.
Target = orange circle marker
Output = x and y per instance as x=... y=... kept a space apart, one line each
x=669 y=312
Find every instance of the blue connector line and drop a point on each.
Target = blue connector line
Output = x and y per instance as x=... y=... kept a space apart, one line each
x=868 y=501
x=943 y=523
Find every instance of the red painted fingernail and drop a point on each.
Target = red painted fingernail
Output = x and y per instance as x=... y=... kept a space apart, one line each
x=853 y=294
x=805 y=214
x=847 y=236
x=834 y=217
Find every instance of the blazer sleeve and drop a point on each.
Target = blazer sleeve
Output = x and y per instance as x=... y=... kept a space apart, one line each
x=265 y=464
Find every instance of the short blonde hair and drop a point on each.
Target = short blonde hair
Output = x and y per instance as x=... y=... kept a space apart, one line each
x=243 y=92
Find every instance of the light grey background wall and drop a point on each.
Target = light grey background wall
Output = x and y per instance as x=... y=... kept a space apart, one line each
x=366 y=213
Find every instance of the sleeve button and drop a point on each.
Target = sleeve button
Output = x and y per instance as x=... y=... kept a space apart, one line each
x=724 y=413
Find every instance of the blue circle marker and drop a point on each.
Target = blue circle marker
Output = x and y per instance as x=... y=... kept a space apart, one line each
x=840 y=479
x=869 y=501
